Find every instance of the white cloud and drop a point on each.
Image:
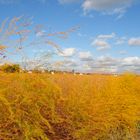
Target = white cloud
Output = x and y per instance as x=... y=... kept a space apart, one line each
x=131 y=64
x=107 y=6
x=102 y=64
x=100 y=44
x=40 y=33
x=106 y=64
x=106 y=36
x=104 y=4
x=106 y=41
x=134 y=41
x=101 y=41
x=65 y=65
x=120 y=40
x=131 y=61
x=107 y=61
x=85 y=56
x=68 y=52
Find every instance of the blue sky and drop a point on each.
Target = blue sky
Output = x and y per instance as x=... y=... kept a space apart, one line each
x=108 y=39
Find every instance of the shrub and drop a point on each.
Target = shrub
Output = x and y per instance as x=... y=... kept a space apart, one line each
x=10 y=68
x=68 y=107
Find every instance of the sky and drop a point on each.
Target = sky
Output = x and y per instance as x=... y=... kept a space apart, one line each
x=106 y=38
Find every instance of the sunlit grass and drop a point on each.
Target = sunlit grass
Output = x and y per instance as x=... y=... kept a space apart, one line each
x=69 y=107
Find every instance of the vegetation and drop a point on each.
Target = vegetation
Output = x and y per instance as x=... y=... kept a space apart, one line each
x=17 y=33
x=10 y=68
x=69 y=107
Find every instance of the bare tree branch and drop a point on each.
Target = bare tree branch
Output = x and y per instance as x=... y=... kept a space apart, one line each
x=19 y=32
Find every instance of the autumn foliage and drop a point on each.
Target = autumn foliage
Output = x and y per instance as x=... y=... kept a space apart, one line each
x=69 y=107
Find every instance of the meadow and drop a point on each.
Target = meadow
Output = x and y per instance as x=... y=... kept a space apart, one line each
x=69 y=107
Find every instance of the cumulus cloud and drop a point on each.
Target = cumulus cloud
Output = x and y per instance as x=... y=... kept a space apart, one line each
x=68 y=52
x=65 y=65
x=110 y=7
x=134 y=41
x=107 y=6
x=100 y=44
x=85 y=56
x=103 y=64
x=131 y=64
x=130 y=61
x=106 y=36
x=105 y=41
x=101 y=41
x=104 y=4
x=86 y=63
x=106 y=64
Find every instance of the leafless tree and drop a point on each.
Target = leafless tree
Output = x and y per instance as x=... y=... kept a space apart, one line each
x=18 y=33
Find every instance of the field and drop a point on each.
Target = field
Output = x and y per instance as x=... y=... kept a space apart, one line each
x=69 y=107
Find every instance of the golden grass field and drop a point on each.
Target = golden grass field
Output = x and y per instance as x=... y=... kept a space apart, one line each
x=69 y=107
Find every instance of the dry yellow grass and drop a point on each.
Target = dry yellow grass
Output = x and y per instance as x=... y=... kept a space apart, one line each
x=68 y=107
